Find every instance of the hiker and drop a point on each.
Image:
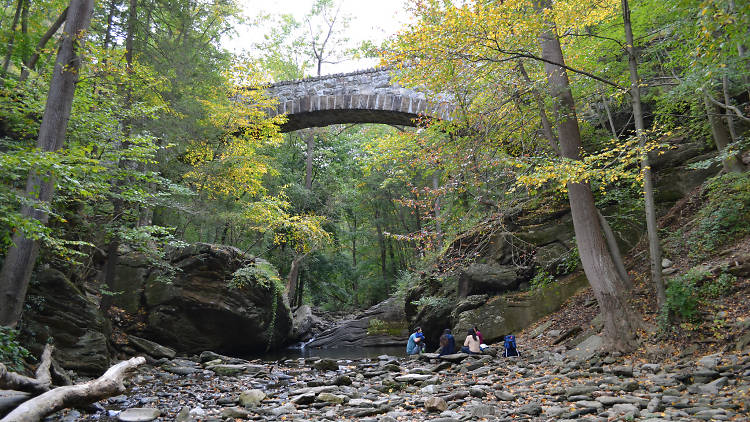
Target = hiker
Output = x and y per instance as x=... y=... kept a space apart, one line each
x=471 y=344
x=482 y=346
x=415 y=345
x=447 y=343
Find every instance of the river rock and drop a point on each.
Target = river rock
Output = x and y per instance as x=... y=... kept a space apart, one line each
x=435 y=404
x=251 y=398
x=151 y=348
x=326 y=365
x=139 y=414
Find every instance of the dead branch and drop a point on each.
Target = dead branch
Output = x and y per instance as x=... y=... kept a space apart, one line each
x=38 y=385
x=109 y=384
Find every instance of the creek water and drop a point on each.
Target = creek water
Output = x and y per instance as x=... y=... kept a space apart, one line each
x=346 y=353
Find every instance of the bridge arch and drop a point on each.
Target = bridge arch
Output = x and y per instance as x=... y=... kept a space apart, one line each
x=366 y=96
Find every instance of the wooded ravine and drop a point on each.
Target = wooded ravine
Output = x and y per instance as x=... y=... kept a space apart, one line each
x=573 y=173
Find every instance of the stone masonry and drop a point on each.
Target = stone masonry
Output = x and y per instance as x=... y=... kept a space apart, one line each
x=367 y=96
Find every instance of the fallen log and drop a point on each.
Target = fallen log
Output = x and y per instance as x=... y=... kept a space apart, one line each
x=38 y=385
x=109 y=384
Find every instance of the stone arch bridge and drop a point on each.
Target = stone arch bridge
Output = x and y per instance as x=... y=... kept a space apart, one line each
x=366 y=96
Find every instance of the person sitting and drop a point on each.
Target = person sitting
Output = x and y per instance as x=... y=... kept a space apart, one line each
x=447 y=343
x=415 y=344
x=471 y=344
x=482 y=346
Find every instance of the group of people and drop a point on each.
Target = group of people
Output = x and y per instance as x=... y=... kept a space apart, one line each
x=474 y=342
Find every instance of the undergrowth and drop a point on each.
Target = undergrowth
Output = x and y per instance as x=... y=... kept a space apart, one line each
x=12 y=354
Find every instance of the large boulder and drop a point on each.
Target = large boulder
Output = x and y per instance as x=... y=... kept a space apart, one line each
x=197 y=309
x=382 y=325
x=306 y=324
x=488 y=278
x=60 y=311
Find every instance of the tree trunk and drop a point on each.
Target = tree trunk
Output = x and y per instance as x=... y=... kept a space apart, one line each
x=309 y=160
x=30 y=64
x=609 y=116
x=38 y=385
x=381 y=242
x=614 y=250
x=654 y=244
x=620 y=321
x=293 y=277
x=25 y=30
x=109 y=384
x=722 y=137
x=19 y=261
x=728 y=101
x=11 y=41
x=438 y=227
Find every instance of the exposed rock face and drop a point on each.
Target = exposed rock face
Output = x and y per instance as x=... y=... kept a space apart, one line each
x=61 y=312
x=502 y=315
x=306 y=324
x=382 y=325
x=197 y=310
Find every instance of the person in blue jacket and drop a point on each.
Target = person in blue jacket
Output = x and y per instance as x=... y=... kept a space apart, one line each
x=447 y=343
x=415 y=344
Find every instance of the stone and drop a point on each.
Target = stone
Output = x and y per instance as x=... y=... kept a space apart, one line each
x=326 y=365
x=623 y=371
x=302 y=399
x=456 y=357
x=78 y=328
x=554 y=411
x=151 y=348
x=330 y=398
x=532 y=409
x=714 y=386
x=666 y=263
x=540 y=329
x=138 y=414
x=227 y=370
x=235 y=413
x=709 y=362
x=435 y=404
x=504 y=396
x=392 y=328
x=413 y=377
x=251 y=398
x=587 y=349
x=628 y=410
x=283 y=410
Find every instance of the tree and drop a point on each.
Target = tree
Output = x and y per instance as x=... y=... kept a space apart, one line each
x=648 y=183
x=620 y=320
x=20 y=259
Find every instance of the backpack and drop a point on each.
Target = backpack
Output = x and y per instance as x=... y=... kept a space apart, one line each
x=510 y=347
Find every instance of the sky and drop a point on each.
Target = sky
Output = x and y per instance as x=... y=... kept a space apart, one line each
x=373 y=20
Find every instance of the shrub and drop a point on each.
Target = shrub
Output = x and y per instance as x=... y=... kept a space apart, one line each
x=12 y=354
x=687 y=291
x=725 y=216
x=541 y=279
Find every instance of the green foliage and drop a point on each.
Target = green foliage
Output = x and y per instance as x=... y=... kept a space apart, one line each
x=687 y=291
x=571 y=261
x=264 y=275
x=12 y=354
x=724 y=216
x=541 y=279
x=682 y=298
x=382 y=328
x=432 y=302
x=261 y=273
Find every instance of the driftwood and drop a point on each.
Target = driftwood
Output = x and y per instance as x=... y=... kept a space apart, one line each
x=107 y=385
x=38 y=385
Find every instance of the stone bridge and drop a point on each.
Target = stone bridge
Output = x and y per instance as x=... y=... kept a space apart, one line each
x=366 y=96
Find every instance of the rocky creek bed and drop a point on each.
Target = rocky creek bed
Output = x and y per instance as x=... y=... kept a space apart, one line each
x=541 y=385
